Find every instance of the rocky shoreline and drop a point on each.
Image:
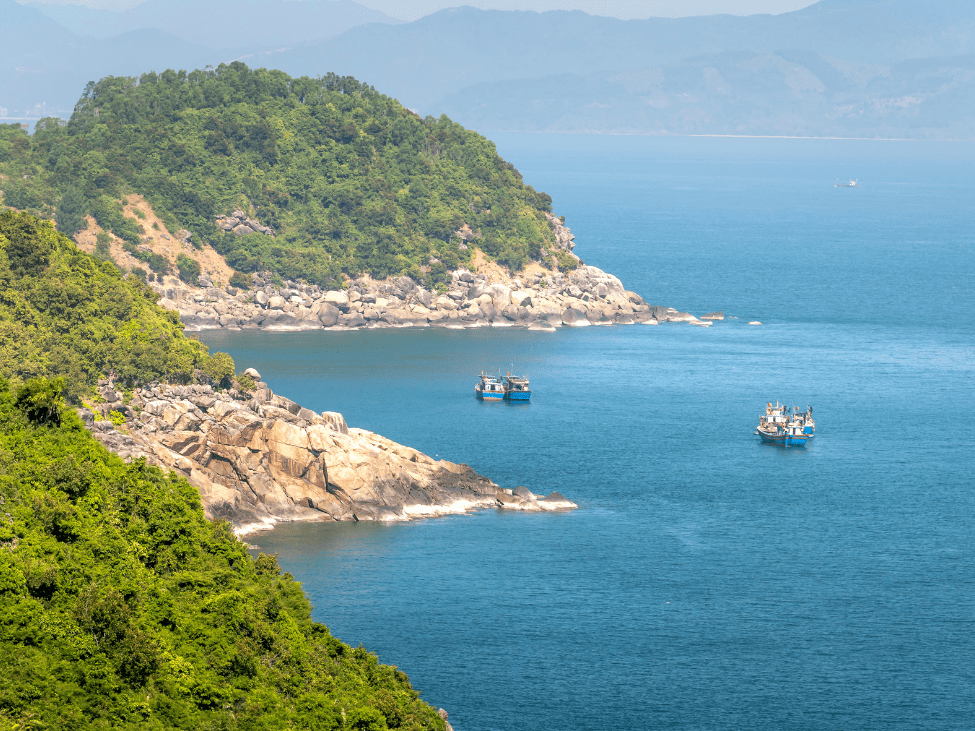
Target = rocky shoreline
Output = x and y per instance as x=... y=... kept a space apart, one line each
x=258 y=458
x=541 y=298
x=586 y=296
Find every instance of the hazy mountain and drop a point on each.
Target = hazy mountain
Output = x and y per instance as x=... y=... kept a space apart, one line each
x=44 y=66
x=569 y=70
x=786 y=93
x=868 y=67
x=223 y=23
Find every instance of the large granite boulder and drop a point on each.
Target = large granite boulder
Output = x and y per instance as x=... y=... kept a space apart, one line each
x=522 y=298
x=328 y=314
x=338 y=299
x=573 y=317
x=353 y=319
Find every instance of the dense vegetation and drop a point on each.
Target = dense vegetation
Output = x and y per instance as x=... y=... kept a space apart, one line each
x=65 y=313
x=122 y=607
x=349 y=179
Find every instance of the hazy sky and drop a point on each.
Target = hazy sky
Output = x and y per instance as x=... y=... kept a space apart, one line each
x=412 y=9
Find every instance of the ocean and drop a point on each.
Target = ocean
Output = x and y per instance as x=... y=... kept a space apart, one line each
x=706 y=581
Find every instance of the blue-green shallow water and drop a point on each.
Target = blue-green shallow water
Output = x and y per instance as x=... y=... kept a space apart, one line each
x=706 y=581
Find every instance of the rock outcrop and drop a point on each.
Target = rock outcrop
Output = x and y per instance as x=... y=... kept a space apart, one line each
x=258 y=458
x=586 y=296
x=241 y=225
x=540 y=299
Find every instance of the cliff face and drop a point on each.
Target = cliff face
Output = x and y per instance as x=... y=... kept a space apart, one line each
x=258 y=458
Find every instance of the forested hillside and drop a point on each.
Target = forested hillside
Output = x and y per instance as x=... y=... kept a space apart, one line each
x=64 y=313
x=121 y=606
x=349 y=180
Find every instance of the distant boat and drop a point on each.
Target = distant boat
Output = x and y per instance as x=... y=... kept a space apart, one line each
x=489 y=388
x=787 y=429
x=517 y=389
x=851 y=184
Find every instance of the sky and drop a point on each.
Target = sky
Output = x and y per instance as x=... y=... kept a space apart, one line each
x=413 y=9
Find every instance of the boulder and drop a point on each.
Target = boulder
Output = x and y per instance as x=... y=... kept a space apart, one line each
x=500 y=295
x=424 y=297
x=522 y=298
x=328 y=314
x=87 y=417
x=242 y=230
x=261 y=298
x=573 y=317
x=523 y=492
x=338 y=299
x=354 y=319
x=478 y=289
x=278 y=319
x=336 y=421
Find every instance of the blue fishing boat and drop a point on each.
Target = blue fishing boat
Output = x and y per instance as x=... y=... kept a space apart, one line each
x=489 y=388
x=778 y=425
x=516 y=389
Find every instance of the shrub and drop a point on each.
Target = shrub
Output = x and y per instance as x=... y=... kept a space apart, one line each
x=566 y=262
x=189 y=269
x=241 y=281
x=70 y=215
x=220 y=367
x=41 y=401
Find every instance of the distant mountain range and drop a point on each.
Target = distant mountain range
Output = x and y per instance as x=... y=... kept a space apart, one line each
x=889 y=68
x=222 y=24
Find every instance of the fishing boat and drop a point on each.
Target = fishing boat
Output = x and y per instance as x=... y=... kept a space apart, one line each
x=517 y=389
x=851 y=184
x=784 y=427
x=489 y=388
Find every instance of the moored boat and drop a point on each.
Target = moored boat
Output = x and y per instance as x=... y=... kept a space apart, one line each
x=516 y=388
x=778 y=425
x=489 y=388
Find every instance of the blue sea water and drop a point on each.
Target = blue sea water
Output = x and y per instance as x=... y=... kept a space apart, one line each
x=706 y=581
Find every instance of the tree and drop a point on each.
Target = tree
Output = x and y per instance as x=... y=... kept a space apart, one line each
x=29 y=247
x=70 y=216
x=102 y=246
x=189 y=269
x=220 y=367
x=41 y=401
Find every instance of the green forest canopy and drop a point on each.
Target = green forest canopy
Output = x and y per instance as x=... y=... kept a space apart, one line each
x=65 y=313
x=350 y=180
x=122 y=607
